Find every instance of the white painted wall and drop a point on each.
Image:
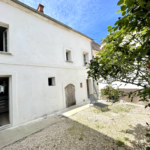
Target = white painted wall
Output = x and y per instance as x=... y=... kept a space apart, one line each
x=120 y=85
x=37 y=48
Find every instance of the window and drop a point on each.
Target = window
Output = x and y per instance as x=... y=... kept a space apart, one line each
x=85 y=59
x=51 y=81
x=68 y=56
x=80 y=85
x=3 y=39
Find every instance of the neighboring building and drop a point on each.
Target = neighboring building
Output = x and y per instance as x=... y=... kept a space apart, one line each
x=95 y=48
x=42 y=64
x=122 y=86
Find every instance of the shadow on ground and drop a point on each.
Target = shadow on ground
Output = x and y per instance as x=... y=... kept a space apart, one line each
x=106 y=109
x=69 y=134
x=75 y=133
x=97 y=140
x=139 y=133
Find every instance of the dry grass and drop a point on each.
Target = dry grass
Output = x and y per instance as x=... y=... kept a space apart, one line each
x=121 y=108
x=126 y=124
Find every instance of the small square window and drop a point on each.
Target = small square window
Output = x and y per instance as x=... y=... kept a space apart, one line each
x=51 y=81
x=80 y=85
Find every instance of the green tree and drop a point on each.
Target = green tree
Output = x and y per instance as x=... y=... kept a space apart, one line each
x=126 y=54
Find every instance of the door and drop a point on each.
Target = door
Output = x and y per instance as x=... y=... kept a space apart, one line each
x=70 y=95
x=4 y=94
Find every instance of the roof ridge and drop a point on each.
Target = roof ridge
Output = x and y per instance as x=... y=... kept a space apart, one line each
x=48 y=17
x=96 y=43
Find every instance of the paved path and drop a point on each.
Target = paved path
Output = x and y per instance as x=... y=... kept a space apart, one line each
x=14 y=134
x=74 y=111
x=11 y=135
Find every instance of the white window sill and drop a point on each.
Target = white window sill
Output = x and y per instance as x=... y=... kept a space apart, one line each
x=5 y=53
x=69 y=61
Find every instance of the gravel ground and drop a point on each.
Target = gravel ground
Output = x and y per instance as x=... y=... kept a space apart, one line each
x=122 y=127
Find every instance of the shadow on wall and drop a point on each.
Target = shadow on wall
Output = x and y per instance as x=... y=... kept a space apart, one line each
x=135 y=100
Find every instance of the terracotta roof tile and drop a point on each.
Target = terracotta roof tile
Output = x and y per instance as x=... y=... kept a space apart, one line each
x=95 y=46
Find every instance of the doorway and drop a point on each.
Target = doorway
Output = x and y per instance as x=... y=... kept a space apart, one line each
x=70 y=95
x=4 y=101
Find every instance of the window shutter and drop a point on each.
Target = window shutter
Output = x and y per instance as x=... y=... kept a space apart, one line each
x=5 y=43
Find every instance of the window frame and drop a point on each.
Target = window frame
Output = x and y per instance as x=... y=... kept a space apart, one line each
x=53 y=81
x=84 y=59
x=86 y=54
x=5 y=41
x=9 y=44
x=70 y=54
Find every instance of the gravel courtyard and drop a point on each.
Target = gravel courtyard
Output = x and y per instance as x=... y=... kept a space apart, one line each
x=122 y=127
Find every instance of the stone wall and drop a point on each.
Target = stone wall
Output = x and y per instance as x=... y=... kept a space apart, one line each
x=135 y=100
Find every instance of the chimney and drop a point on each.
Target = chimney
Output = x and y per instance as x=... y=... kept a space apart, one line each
x=40 y=8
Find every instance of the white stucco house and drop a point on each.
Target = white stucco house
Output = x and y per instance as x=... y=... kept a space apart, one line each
x=42 y=64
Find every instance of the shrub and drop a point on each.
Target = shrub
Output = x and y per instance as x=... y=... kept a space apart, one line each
x=112 y=93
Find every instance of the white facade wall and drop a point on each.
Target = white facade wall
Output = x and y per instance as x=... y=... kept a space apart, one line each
x=37 y=51
x=120 y=85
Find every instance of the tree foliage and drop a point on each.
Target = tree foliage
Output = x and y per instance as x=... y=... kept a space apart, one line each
x=125 y=56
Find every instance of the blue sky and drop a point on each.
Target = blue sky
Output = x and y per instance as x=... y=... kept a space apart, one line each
x=91 y=17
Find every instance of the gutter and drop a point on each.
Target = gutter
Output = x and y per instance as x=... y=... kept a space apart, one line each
x=50 y=18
